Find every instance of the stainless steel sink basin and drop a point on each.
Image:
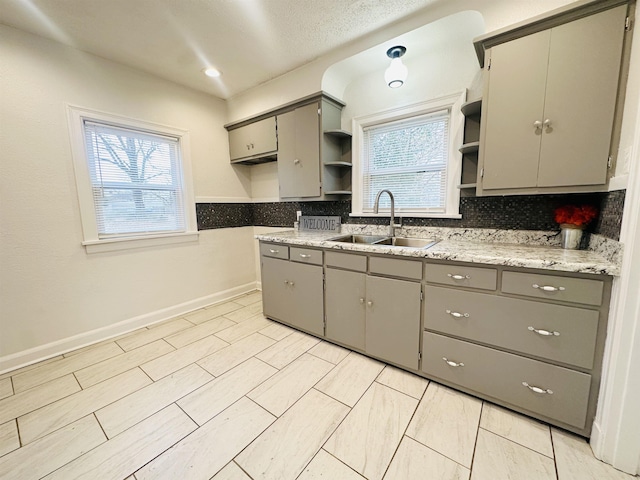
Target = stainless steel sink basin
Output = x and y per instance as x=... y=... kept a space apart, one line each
x=370 y=239
x=386 y=241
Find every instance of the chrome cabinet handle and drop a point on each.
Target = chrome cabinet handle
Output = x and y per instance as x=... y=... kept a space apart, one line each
x=548 y=288
x=296 y=161
x=537 y=125
x=547 y=125
x=457 y=314
x=544 y=333
x=545 y=391
x=452 y=364
x=305 y=255
x=458 y=277
x=273 y=251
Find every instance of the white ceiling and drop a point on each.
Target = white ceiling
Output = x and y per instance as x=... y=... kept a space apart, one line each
x=250 y=41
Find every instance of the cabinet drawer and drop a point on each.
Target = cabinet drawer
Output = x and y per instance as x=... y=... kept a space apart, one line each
x=306 y=255
x=554 y=287
x=508 y=322
x=502 y=376
x=462 y=276
x=396 y=267
x=347 y=261
x=274 y=250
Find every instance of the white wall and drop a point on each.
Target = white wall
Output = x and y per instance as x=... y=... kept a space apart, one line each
x=50 y=288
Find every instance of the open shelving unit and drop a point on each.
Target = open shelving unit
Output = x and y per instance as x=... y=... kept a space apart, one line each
x=469 y=149
x=338 y=172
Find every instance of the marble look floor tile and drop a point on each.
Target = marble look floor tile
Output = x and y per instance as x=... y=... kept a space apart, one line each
x=367 y=439
x=125 y=453
x=243 y=329
x=351 y=378
x=202 y=330
x=404 y=382
x=34 y=398
x=126 y=412
x=152 y=334
x=287 y=350
x=249 y=298
x=211 y=399
x=245 y=313
x=193 y=458
x=325 y=466
x=231 y=472
x=517 y=428
x=26 y=368
x=222 y=308
x=329 y=352
x=287 y=446
x=6 y=388
x=49 y=453
x=174 y=361
x=447 y=421
x=277 y=331
x=108 y=368
x=233 y=355
x=69 y=409
x=9 y=440
x=413 y=460
x=497 y=457
x=287 y=386
x=110 y=340
x=574 y=459
x=64 y=366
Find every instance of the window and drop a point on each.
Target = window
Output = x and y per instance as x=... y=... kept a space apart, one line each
x=411 y=151
x=131 y=180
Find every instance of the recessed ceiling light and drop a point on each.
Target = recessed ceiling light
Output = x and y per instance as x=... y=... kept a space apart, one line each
x=211 y=72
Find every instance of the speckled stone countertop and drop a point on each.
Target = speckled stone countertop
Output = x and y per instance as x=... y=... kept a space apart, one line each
x=515 y=248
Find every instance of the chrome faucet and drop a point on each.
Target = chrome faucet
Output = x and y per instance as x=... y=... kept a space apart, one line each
x=392 y=224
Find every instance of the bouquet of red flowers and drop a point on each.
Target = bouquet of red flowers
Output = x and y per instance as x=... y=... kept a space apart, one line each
x=579 y=216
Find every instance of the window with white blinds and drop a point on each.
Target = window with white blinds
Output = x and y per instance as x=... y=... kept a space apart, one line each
x=410 y=158
x=136 y=181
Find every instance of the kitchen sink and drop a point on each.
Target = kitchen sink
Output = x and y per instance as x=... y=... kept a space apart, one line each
x=386 y=241
x=370 y=239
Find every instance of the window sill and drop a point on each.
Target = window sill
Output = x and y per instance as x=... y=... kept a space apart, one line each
x=408 y=215
x=116 y=244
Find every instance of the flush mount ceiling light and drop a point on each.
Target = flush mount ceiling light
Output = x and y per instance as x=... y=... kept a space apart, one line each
x=397 y=72
x=211 y=72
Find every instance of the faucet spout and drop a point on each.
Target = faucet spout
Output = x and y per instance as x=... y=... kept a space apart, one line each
x=392 y=224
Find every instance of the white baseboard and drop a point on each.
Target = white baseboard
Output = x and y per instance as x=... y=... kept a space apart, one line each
x=43 y=352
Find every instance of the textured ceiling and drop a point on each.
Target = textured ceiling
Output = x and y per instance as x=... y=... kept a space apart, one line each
x=250 y=41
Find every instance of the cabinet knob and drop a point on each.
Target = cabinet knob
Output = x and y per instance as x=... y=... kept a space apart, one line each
x=296 y=161
x=548 y=288
x=457 y=314
x=286 y=282
x=544 y=333
x=362 y=300
x=458 y=277
x=538 y=126
x=291 y=284
x=251 y=145
x=547 y=126
x=370 y=303
x=545 y=391
x=452 y=363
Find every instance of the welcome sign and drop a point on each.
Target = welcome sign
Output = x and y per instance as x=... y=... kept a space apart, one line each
x=325 y=224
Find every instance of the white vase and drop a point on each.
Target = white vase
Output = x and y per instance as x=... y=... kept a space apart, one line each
x=571 y=235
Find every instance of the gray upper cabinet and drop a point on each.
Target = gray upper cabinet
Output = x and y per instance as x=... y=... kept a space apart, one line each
x=549 y=105
x=254 y=143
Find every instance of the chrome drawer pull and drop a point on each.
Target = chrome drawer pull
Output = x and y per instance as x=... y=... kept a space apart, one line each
x=537 y=389
x=544 y=333
x=305 y=256
x=457 y=314
x=548 y=288
x=458 y=277
x=453 y=364
x=271 y=250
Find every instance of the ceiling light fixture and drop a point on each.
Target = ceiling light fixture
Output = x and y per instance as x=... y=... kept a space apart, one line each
x=211 y=72
x=397 y=72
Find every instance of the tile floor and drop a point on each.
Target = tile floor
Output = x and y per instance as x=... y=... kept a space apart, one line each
x=224 y=393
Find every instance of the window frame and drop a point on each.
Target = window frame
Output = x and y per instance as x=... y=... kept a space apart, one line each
x=91 y=239
x=453 y=103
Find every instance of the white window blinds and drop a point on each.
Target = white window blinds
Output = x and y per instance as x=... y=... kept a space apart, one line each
x=136 y=181
x=408 y=157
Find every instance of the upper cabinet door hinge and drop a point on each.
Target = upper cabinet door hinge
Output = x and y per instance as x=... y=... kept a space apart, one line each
x=319 y=111
x=419 y=355
x=489 y=64
x=609 y=161
x=627 y=24
x=482 y=173
x=421 y=296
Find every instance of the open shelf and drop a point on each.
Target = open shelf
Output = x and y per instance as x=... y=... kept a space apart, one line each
x=338 y=192
x=471 y=108
x=337 y=132
x=464 y=186
x=339 y=164
x=470 y=147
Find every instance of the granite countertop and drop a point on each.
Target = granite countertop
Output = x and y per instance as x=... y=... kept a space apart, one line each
x=529 y=249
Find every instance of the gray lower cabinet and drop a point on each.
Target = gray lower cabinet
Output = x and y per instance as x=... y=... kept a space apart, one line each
x=292 y=293
x=345 y=297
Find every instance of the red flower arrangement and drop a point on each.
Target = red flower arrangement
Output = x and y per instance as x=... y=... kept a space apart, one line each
x=573 y=215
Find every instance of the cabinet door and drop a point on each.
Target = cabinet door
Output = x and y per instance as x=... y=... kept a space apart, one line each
x=275 y=288
x=393 y=320
x=262 y=136
x=305 y=296
x=514 y=101
x=239 y=143
x=345 y=307
x=582 y=84
x=299 y=152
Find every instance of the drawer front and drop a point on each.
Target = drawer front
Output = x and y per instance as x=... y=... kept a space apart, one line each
x=305 y=255
x=396 y=267
x=501 y=375
x=554 y=287
x=554 y=332
x=462 y=276
x=347 y=261
x=274 y=250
